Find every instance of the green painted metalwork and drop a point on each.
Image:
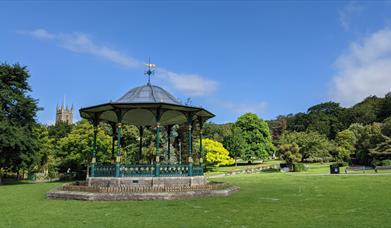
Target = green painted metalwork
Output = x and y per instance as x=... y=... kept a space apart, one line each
x=168 y=170
x=201 y=149
x=117 y=165
x=162 y=170
x=94 y=152
x=157 y=169
x=190 y=145
x=198 y=171
x=157 y=140
x=105 y=170
x=128 y=170
x=169 y=142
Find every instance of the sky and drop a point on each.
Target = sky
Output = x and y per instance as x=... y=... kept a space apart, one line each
x=231 y=57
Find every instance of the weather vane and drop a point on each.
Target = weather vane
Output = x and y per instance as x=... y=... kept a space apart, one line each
x=150 y=70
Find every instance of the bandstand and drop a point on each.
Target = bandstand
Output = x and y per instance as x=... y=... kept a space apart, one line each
x=147 y=106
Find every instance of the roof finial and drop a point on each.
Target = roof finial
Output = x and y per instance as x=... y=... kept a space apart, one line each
x=149 y=72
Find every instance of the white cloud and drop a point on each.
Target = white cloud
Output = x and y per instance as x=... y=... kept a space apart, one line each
x=81 y=43
x=244 y=107
x=364 y=70
x=348 y=12
x=189 y=84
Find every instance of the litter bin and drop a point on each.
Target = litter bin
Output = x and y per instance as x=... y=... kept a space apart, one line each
x=334 y=169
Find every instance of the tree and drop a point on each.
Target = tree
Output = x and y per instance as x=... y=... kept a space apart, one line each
x=367 y=111
x=278 y=126
x=17 y=119
x=345 y=144
x=381 y=151
x=290 y=153
x=368 y=137
x=313 y=146
x=216 y=132
x=58 y=131
x=257 y=135
x=235 y=143
x=386 y=127
x=385 y=111
x=46 y=161
x=75 y=150
x=216 y=154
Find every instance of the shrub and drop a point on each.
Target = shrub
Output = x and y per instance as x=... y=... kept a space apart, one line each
x=340 y=164
x=381 y=163
x=299 y=167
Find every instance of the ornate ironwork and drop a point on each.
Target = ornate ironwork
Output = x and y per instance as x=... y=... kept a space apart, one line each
x=131 y=170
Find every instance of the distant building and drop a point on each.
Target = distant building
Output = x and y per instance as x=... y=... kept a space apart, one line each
x=64 y=114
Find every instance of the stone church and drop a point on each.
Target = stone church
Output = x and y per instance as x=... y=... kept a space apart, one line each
x=64 y=114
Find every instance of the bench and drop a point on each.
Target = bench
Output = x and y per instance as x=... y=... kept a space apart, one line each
x=357 y=168
x=382 y=168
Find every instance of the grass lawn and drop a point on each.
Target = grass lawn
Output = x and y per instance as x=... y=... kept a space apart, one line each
x=241 y=166
x=265 y=200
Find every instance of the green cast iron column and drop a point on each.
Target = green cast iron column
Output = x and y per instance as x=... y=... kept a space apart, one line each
x=201 y=149
x=140 y=152
x=190 y=146
x=94 y=152
x=157 y=165
x=118 y=160
x=113 y=143
x=169 y=142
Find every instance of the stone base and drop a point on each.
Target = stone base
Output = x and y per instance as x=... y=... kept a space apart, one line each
x=91 y=196
x=155 y=182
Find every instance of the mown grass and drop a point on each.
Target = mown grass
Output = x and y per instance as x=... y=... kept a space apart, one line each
x=240 y=166
x=265 y=200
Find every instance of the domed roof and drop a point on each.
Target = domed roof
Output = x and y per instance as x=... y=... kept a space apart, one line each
x=148 y=94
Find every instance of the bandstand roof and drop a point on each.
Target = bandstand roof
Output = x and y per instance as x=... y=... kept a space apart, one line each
x=142 y=105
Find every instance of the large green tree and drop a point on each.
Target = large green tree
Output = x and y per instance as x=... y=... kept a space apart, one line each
x=75 y=150
x=313 y=146
x=235 y=143
x=257 y=135
x=18 y=147
x=345 y=145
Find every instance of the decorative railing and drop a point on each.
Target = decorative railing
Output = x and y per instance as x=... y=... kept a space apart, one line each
x=131 y=170
x=198 y=170
x=174 y=170
x=137 y=170
x=104 y=170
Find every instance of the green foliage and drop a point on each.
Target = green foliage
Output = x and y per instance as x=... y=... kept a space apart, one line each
x=216 y=154
x=313 y=146
x=345 y=145
x=329 y=118
x=326 y=118
x=257 y=135
x=58 y=131
x=18 y=145
x=75 y=150
x=235 y=143
x=386 y=127
x=381 y=162
x=368 y=137
x=382 y=151
x=47 y=161
x=299 y=167
x=290 y=153
x=217 y=132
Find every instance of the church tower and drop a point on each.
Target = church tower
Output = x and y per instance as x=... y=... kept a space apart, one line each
x=64 y=114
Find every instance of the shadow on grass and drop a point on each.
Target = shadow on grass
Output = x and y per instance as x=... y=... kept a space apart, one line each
x=21 y=182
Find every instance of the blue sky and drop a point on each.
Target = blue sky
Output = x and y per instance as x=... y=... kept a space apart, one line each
x=230 y=57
